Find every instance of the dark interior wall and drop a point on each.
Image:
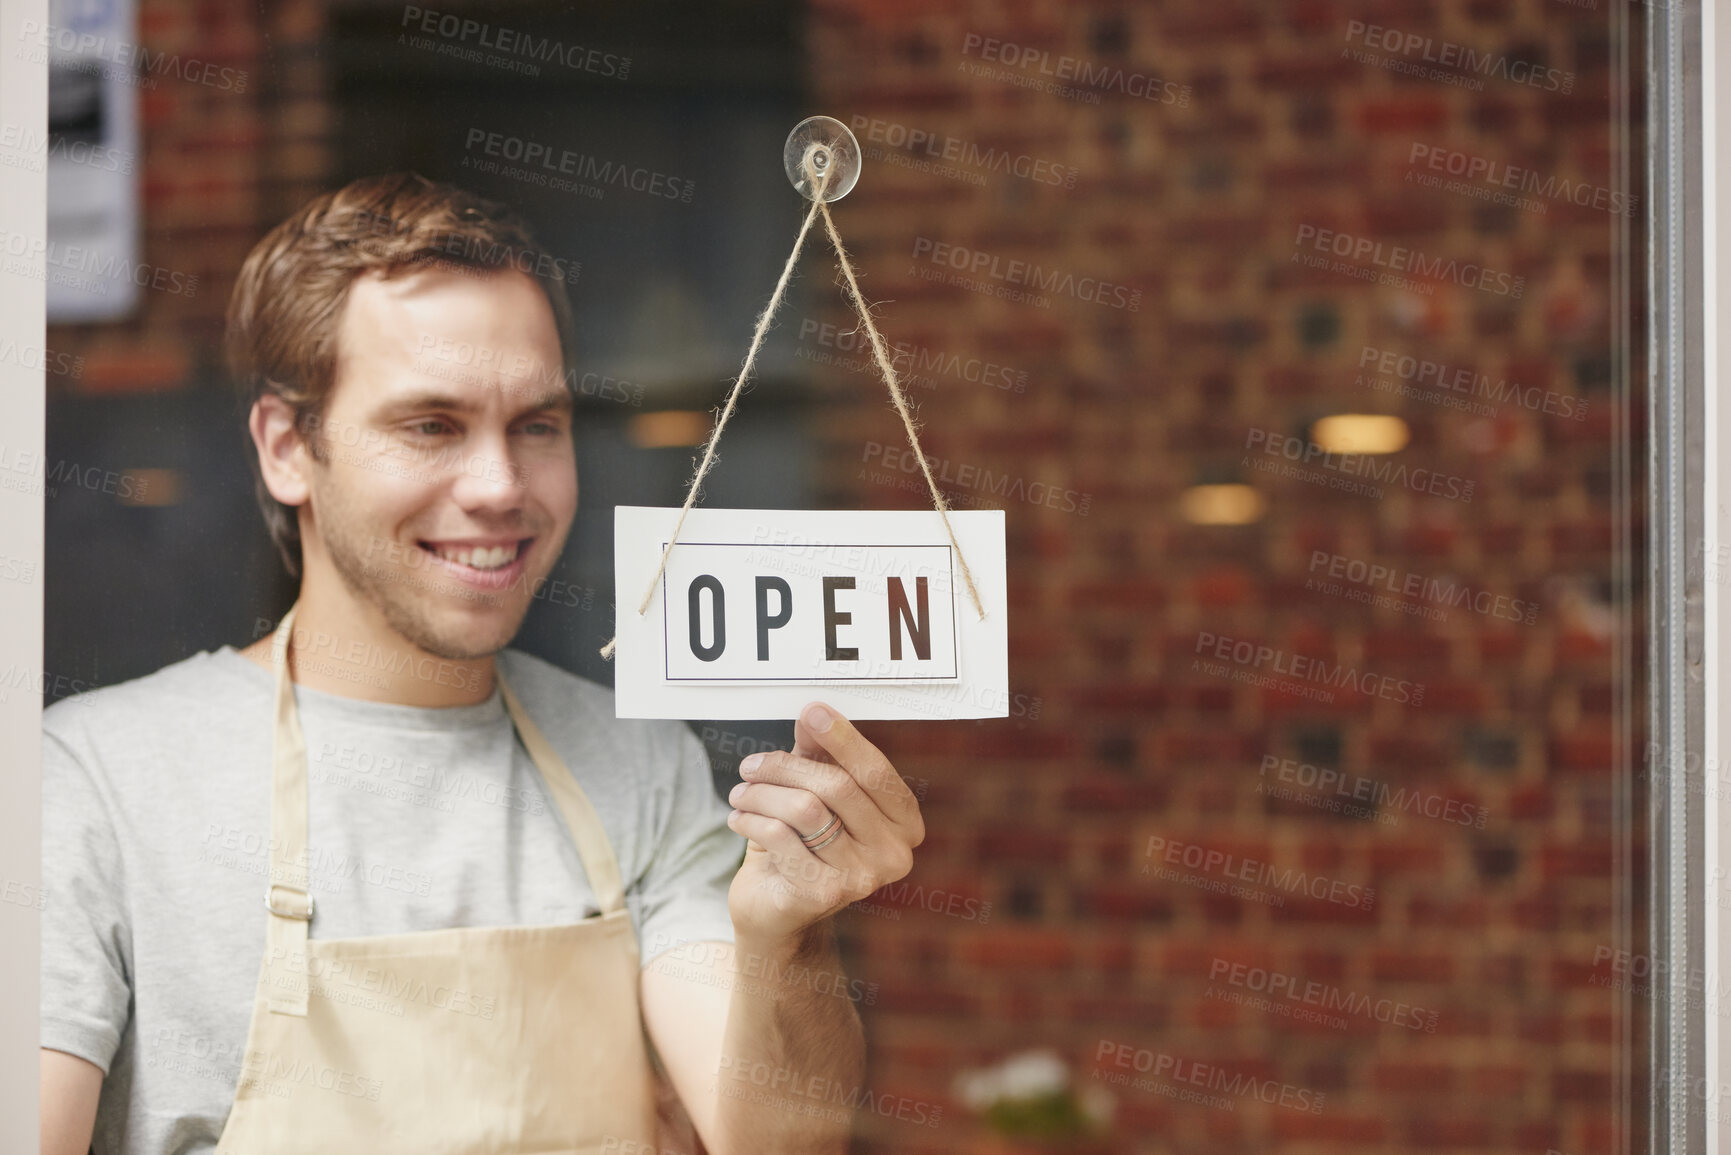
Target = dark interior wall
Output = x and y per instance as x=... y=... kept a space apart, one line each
x=653 y=100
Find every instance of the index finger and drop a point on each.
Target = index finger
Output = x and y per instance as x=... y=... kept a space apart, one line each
x=822 y=734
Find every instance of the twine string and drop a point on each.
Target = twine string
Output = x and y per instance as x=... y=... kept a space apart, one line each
x=818 y=174
x=888 y=369
x=763 y=320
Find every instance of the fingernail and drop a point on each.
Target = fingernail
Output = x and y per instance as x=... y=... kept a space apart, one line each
x=733 y=795
x=750 y=764
x=818 y=718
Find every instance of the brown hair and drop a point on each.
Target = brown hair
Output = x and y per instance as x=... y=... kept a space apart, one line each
x=288 y=302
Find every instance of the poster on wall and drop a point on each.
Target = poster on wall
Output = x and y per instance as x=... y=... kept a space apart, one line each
x=95 y=71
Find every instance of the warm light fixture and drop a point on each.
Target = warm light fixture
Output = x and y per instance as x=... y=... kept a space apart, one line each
x=1360 y=433
x=1221 y=505
x=150 y=487
x=668 y=429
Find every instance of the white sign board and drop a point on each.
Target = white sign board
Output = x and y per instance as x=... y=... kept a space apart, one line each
x=761 y=611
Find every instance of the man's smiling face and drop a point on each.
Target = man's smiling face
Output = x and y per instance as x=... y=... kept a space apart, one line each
x=448 y=480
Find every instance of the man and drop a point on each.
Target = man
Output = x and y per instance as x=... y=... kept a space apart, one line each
x=377 y=883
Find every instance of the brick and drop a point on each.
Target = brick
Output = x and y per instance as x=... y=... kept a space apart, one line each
x=1406 y=857
x=1214 y=1016
x=1405 y=646
x=1112 y=953
x=1392 y=966
x=1406 y=115
x=1413 y=1078
x=1500 y=1081
x=1124 y=593
x=1409 y=752
x=1099 y=793
x=1198 y=960
x=1463 y=914
x=1210 y=699
x=1323 y=913
x=1116 y=1010
x=1123 y=902
x=1210 y=229
x=925 y=999
x=1284 y=381
x=1531 y=804
x=1002 y=742
x=1456 y=1132
x=1022 y=846
x=1325 y=856
x=1018 y=949
x=133 y=368
x=1536 y=914
x=1136 y=700
x=1501 y=646
x=1238 y=127
x=1222 y=587
x=1581 y=1086
x=1328 y=1127
x=1580 y=861
x=1305 y=74
x=1582 y=753
x=1410 y=217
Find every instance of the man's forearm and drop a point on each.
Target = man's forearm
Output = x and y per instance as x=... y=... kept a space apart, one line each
x=794 y=1053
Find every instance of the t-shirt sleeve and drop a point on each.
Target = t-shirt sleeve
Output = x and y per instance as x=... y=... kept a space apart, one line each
x=683 y=897
x=86 y=930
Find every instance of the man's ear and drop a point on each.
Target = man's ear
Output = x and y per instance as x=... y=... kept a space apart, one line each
x=282 y=456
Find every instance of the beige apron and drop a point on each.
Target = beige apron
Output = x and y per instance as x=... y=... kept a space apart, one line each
x=506 y=1040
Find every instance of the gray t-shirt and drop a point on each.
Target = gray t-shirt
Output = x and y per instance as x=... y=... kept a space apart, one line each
x=156 y=828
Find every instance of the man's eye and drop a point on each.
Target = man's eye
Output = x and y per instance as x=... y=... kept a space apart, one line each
x=431 y=427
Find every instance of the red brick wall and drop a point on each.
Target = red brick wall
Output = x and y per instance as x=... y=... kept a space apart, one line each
x=1197 y=204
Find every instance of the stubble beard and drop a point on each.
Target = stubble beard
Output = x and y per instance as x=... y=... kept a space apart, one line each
x=395 y=590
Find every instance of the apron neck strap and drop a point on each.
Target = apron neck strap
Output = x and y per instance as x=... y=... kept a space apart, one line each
x=289 y=898
x=593 y=846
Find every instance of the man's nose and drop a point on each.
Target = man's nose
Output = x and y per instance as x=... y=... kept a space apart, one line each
x=489 y=477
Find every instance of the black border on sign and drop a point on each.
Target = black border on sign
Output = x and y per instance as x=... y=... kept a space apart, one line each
x=900 y=679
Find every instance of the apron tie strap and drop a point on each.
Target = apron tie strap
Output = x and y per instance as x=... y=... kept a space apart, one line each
x=287 y=896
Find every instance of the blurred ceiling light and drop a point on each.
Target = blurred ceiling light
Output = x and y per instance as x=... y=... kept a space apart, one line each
x=668 y=429
x=1360 y=433
x=1221 y=505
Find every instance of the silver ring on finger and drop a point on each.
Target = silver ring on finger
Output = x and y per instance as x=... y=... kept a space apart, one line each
x=811 y=839
x=832 y=836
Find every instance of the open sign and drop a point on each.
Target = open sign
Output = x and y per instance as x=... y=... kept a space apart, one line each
x=760 y=611
x=814 y=612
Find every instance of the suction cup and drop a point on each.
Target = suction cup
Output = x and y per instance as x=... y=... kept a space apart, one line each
x=822 y=151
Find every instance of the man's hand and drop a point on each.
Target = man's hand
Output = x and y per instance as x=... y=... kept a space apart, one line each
x=753 y=1005
x=782 y=888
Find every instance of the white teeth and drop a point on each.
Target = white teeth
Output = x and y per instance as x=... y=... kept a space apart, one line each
x=478 y=557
